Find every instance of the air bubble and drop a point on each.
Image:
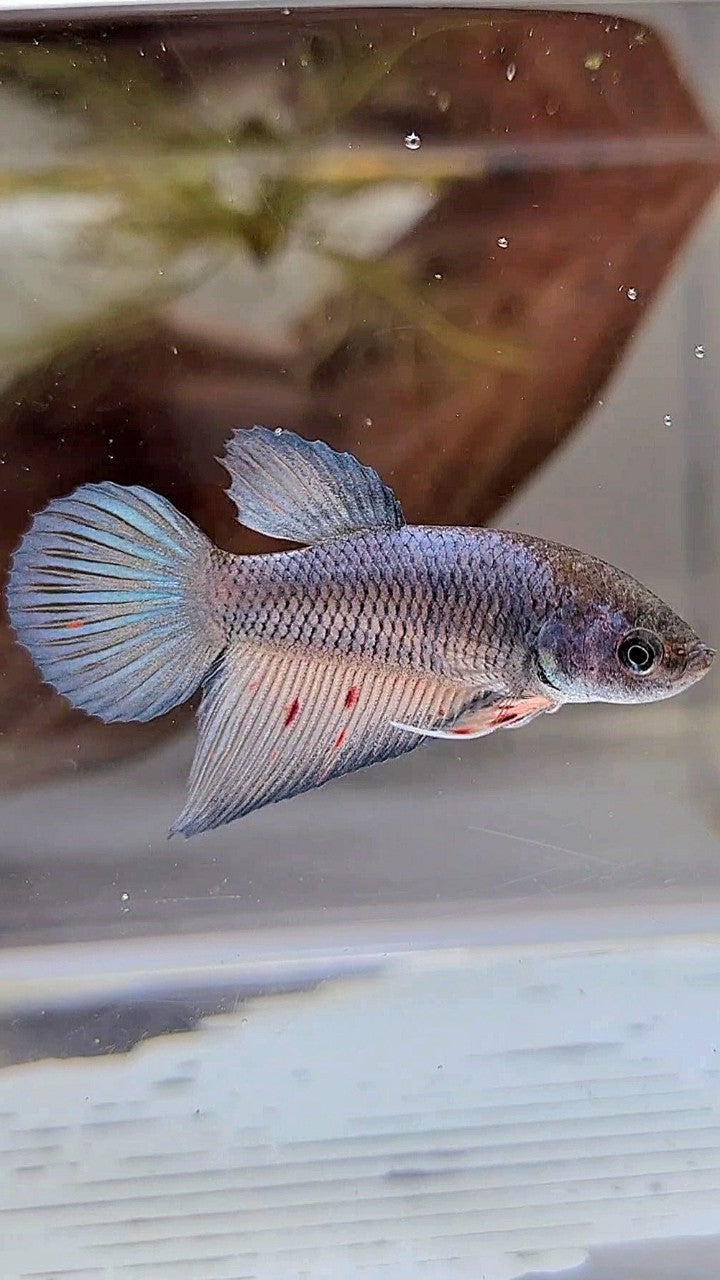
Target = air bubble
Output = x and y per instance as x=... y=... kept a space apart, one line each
x=700 y=352
x=632 y=294
x=510 y=71
x=413 y=141
x=503 y=242
x=667 y=420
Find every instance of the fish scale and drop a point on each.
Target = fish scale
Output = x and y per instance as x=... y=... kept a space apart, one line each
x=437 y=590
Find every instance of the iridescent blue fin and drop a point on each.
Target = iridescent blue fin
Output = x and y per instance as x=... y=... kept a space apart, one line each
x=303 y=490
x=107 y=593
x=275 y=723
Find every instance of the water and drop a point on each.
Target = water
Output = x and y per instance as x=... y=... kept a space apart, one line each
x=455 y=1015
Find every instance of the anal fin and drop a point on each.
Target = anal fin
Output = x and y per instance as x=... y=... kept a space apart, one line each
x=276 y=722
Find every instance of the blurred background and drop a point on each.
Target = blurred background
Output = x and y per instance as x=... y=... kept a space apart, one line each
x=479 y=249
x=475 y=249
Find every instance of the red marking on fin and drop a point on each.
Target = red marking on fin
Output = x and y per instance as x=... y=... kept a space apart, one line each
x=291 y=714
x=340 y=739
x=75 y=624
x=351 y=697
x=461 y=732
x=506 y=715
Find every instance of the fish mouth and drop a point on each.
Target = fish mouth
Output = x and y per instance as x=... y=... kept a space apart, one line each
x=701 y=659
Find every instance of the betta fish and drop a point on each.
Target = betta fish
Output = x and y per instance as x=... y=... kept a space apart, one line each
x=350 y=649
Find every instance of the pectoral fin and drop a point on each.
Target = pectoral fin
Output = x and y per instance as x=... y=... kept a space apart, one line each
x=491 y=712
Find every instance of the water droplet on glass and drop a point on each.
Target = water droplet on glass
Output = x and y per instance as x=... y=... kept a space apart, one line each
x=700 y=352
x=502 y=242
x=632 y=294
x=667 y=420
x=510 y=71
x=412 y=141
x=278 y=431
x=594 y=61
x=368 y=422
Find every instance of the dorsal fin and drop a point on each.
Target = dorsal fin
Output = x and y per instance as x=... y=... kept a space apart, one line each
x=303 y=490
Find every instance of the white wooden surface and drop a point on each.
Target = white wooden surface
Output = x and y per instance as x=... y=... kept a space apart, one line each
x=474 y=1112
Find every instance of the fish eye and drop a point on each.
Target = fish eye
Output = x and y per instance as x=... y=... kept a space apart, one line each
x=639 y=652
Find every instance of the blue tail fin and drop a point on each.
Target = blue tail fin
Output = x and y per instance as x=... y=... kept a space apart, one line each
x=108 y=592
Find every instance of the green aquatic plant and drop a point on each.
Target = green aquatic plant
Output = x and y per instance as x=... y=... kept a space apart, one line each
x=108 y=86
x=166 y=199
x=339 y=69
x=386 y=281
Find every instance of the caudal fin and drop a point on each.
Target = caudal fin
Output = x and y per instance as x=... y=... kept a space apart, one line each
x=108 y=594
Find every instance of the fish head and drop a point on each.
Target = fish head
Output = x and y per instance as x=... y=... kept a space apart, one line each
x=614 y=641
